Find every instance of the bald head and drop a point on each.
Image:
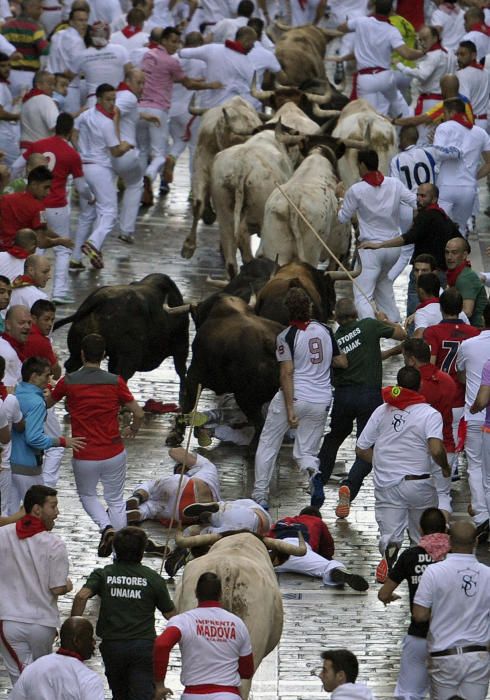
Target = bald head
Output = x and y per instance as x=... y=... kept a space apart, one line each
x=456 y=252
x=77 y=634
x=193 y=39
x=135 y=78
x=38 y=268
x=26 y=239
x=449 y=86
x=18 y=322
x=463 y=536
x=247 y=37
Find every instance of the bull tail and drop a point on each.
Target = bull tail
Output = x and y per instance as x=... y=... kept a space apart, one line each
x=64 y=321
x=84 y=310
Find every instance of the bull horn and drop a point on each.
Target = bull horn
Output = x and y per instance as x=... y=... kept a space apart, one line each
x=319 y=99
x=261 y=95
x=319 y=112
x=174 y=310
x=196 y=540
x=263 y=117
x=280 y=86
x=295 y=550
x=220 y=284
x=283 y=27
x=331 y=33
x=234 y=130
x=353 y=143
x=367 y=134
x=286 y=139
x=192 y=109
x=340 y=275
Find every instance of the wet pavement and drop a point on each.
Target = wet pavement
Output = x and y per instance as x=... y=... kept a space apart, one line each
x=315 y=618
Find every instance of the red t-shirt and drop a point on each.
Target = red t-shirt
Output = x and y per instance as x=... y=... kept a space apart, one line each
x=37 y=345
x=93 y=400
x=440 y=391
x=321 y=541
x=63 y=162
x=444 y=339
x=19 y=210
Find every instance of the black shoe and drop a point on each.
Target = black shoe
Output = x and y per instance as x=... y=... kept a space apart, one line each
x=391 y=555
x=175 y=561
x=316 y=491
x=164 y=188
x=356 y=582
x=159 y=550
x=195 y=510
x=105 y=545
x=482 y=532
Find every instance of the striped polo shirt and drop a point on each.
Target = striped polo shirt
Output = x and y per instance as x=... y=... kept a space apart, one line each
x=29 y=38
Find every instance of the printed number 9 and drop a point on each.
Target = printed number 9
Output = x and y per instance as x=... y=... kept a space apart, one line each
x=315 y=346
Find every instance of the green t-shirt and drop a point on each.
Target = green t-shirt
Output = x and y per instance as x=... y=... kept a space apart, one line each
x=129 y=594
x=359 y=340
x=470 y=286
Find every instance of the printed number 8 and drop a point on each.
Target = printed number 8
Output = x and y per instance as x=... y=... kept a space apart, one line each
x=315 y=346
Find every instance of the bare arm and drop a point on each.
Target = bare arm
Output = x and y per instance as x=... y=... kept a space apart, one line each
x=138 y=415
x=408 y=53
x=340 y=361
x=120 y=149
x=386 y=592
x=412 y=121
x=420 y=614
x=287 y=386
x=8 y=116
x=80 y=601
x=438 y=454
x=179 y=455
x=485 y=168
x=375 y=245
x=61 y=590
x=320 y=11
x=468 y=307
x=5 y=435
x=365 y=454
x=482 y=399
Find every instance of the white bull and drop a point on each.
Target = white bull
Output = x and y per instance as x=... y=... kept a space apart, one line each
x=249 y=585
x=216 y=132
x=243 y=177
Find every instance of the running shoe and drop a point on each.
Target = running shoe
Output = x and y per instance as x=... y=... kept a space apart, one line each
x=76 y=266
x=126 y=238
x=203 y=436
x=343 y=506
x=159 y=550
x=195 y=510
x=316 y=491
x=354 y=581
x=198 y=419
x=133 y=516
x=105 y=545
x=482 y=532
x=94 y=255
x=175 y=561
x=382 y=571
x=134 y=502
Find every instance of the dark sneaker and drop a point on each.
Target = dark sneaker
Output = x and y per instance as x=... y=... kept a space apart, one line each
x=133 y=503
x=354 y=581
x=164 y=188
x=158 y=550
x=391 y=555
x=316 y=491
x=76 y=266
x=482 y=532
x=195 y=510
x=133 y=516
x=175 y=561
x=105 y=545
x=203 y=436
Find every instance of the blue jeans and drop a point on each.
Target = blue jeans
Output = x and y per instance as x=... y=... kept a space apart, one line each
x=129 y=668
x=355 y=402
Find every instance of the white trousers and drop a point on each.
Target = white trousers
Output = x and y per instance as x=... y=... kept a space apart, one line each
x=21 y=643
x=374 y=280
x=311 y=417
x=86 y=218
x=401 y=506
x=464 y=675
x=5 y=483
x=209 y=696
x=457 y=201
x=102 y=182
x=486 y=468
x=152 y=141
x=239 y=515
x=53 y=456
x=181 y=126
x=312 y=564
x=9 y=142
x=474 y=455
x=73 y=100
x=129 y=169
x=379 y=89
x=443 y=484
x=18 y=487
x=413 y=677
x=58 y=220
x=111 y=474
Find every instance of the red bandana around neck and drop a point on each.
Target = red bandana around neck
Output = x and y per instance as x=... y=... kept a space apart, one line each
x=437 y=47
x=236 y=46
x=3 y=391
x=33 y=93
x=431 y=300
x=374 y=178
x=153 y=44
x=449 y=8
x=123 y=86
x=28 y=526
x=17 y=252
x=130 y=31
x=381 y=18
x=435 y=207
x=462 y=119
x=399 y=397
x=103 y=111
x=301 y=325
x=480 y=27
x=68 y=652
x=23 y=281
x=475 y=64
x=16 y=344
x=452 y=275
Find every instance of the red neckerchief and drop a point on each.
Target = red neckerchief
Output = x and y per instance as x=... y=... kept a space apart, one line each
x=103 y=111
x=475 y=64
x=437 y=47
x=373 y=178
x=4 y=80
x=68 y=652
x=153 y=44
x=23 y=281
x=480 y=27
x=381 y=18
x=123 y=86
x=301 y=325
x=3 y=391
x=17 y=345
x=33 y=93
x=236 y=46
x=432 y=300
x=448 y=8
x=209 y=604
x=399 y=397
x=452 y=275
x=17 y=252
x=28 y=526
x=462 y=119
x=435 y=207
x=130 y=31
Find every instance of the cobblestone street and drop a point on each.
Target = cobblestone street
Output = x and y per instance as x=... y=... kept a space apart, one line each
x=315 y=617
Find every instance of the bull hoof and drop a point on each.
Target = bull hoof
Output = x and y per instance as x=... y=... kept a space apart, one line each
x=208 y=216
x=188 y=250
x=174 y=439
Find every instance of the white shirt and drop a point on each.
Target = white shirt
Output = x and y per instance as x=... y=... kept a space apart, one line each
x=430 y=315
x=27 y=296
x=6 y=46
x=38 y=118
x=181 y=96
x=352 y=691
x=400 y=440
x=471 y=143
x=475 y=85
x=342 y=10
x=263 y=60
x=104 y=10
x=374 y=42
x=458 y=584
x=313 y=352
x=226 y=29
x=215 y=10
x=303 y=15
x=65 y=47
x=104 y=65
x=96 y=135
x=378 y=208
x=14 y=415
x=136 y=57
x=8 y=130
x=13 y=365
x=417 y=165
x=212 y=642
x=30 y=568
x=134 y=42
x=234 y=70
x=127 y=102
x=481 y=41
x=56 y=676
x=452 y=25
x=429 y=70
x=10 y=267
x=472 y=355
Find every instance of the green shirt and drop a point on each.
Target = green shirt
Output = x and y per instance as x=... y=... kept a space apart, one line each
x=470 y=286
x=359 y=340
x=129 y=594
